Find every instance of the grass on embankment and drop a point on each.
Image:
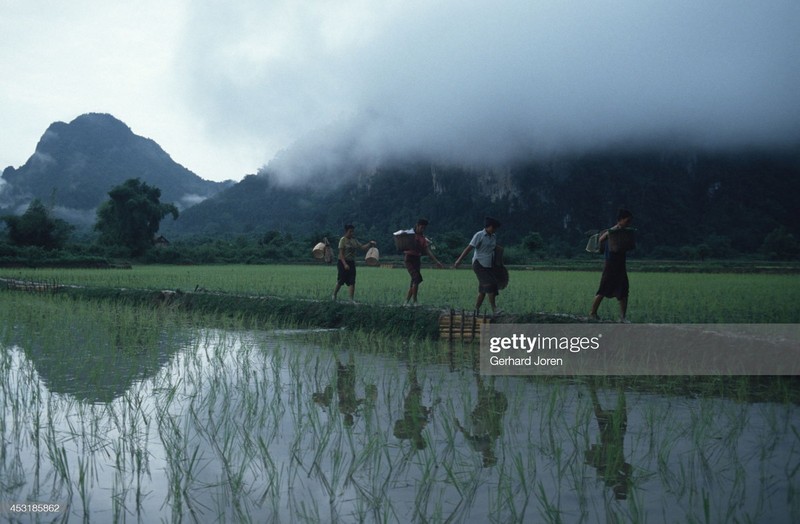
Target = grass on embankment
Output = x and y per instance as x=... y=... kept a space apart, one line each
x=659 y=297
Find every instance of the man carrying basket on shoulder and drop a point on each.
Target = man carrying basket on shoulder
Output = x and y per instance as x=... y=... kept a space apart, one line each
x=413 y=260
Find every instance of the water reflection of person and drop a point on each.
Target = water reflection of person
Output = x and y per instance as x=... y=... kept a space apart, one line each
x=608 y=457
x=415 y=415
x=486 y=420
x=348 y=403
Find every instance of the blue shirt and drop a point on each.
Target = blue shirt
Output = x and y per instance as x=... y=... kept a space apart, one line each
x=484 y=245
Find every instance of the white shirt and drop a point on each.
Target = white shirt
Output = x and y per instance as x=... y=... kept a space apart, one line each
x=484 y=245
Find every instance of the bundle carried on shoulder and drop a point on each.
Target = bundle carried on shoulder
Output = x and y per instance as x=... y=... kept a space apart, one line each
x=404 y=239
x=323 y=251
x=593 y=245
x=373 y=257
x=499 y=268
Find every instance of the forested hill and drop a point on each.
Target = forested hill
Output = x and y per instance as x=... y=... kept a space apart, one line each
x=76 y=164
x=724 y=202
x=720 y=203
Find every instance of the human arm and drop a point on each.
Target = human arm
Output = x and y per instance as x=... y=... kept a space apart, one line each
x=433 y=257
x=462 y=255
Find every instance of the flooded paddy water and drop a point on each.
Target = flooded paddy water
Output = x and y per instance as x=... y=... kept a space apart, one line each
x=138 y=420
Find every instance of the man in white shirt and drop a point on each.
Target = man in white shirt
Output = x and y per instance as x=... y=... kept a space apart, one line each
x=484 y=243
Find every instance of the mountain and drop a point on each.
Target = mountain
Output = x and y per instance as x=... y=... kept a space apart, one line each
x=726 y=201
x=76 y=164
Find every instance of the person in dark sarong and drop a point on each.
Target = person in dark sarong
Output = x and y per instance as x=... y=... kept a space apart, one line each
x=484 y=243
x=614 y=281
x=486 y=420
x=415 y=415
x=608 y=457
x=413 y=260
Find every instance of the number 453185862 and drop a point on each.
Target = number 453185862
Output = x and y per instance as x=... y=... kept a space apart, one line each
x=33 y=507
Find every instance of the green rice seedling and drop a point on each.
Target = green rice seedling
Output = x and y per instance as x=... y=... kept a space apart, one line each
x=655 y=296
x=225 y=426
x=549 y=512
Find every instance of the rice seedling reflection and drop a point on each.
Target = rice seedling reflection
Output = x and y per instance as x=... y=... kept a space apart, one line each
x=241 y=425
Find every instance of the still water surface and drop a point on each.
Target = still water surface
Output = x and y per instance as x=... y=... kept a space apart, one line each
x=280 y=426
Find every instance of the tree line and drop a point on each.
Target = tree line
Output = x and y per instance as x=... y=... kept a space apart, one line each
x=128 y=223
x=688 y=205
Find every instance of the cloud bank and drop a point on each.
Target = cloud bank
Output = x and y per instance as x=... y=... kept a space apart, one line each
x=329 y=84
x=302 y=86
x=226 y=87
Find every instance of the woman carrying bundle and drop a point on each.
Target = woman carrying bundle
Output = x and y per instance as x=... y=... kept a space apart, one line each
x=614 y=281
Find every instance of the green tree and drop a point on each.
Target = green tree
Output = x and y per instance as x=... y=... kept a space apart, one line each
x=703 y=251
x=780 y=244
x=131 y=218
x=533 y=242
x=689 y=252
x=270 y=237
x=37 y=228
x=448 y=245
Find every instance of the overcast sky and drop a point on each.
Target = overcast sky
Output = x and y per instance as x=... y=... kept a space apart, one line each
x=228 y=87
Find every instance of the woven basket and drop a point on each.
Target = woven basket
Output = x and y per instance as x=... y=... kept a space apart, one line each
x=501 y=274
x=322 y=251
x=498 y=256
x=403 y=240
x=593 y=244
x=319 y=251
x=499 y=269
x=373 y=257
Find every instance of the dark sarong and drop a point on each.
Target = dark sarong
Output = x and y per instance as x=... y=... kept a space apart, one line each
x=501 y=274
x=413 y=265
x=346 y=277
x=487 y=279
x=614 y=282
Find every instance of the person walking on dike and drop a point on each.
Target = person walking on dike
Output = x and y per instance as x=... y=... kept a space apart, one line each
x=484 y=243
x=346 y=263
x=413 y=260
x=614 y=281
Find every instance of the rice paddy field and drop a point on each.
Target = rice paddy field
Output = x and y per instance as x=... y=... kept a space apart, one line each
x=111 y=412
x=660 y=297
